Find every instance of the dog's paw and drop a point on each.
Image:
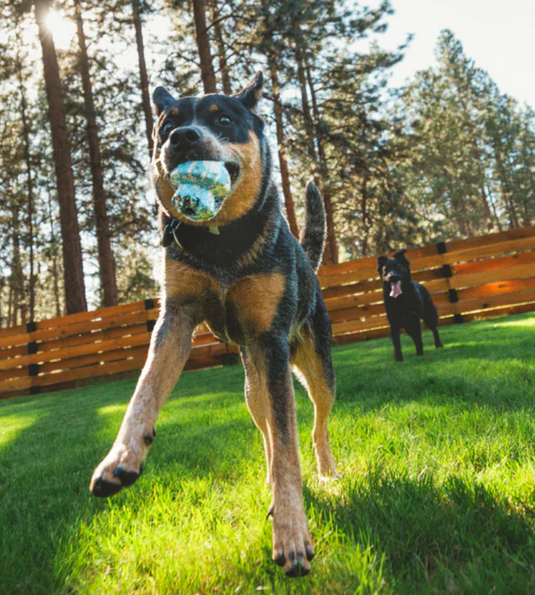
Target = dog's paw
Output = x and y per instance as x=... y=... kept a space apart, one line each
x=120 y=469
x=292 y=545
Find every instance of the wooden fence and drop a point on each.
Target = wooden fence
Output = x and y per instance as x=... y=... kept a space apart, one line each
x=474 y=278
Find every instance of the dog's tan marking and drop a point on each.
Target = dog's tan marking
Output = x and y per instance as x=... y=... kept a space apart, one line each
x=244 y=195
x=254 y=251
x=290 y=525
x=175 y=111
x=181 y=279
x=257 y=398
x=214 y=108
x=169 y=351
x=257 y=298
x=308 y=367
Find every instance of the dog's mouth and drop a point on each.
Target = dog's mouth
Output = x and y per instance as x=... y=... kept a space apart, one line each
x=233 y=170
x=395 y=289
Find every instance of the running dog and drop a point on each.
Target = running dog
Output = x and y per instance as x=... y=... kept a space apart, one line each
x=406 y=302
x=245 y=275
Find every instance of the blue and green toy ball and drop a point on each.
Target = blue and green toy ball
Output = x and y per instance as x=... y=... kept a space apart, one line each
x=201 y=187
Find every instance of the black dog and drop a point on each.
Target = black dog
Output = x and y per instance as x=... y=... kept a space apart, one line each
x=255 y=285
x=406 y=302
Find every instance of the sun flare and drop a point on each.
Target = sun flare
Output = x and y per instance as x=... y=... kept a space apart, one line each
x=63 y=30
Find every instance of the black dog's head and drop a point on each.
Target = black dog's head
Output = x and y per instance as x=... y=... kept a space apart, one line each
x=211 y=128
x=395 y=272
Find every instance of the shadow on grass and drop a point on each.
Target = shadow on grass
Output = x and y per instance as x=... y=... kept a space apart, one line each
x=47 y=463
x=457 y=537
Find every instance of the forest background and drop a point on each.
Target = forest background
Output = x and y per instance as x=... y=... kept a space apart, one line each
x=446 y=155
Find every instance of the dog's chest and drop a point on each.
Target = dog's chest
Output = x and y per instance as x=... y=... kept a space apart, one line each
x=234 y=311
x=246 y=308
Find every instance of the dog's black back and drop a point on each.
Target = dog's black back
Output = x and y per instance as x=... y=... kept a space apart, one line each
x=406 y=303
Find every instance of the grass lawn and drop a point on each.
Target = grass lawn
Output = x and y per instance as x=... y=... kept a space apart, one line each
x=437 y=488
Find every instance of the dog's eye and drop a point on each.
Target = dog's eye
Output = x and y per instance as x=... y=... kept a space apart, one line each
x=224 y=120
x=166 y=129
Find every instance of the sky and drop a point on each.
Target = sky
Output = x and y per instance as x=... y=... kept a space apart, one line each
x=499 y=35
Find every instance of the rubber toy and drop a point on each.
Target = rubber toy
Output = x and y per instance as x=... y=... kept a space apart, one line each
x=201 y=187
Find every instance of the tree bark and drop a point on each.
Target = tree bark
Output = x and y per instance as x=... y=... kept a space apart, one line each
x=279 y=124
x=221 y=51
x=144 y=79
x=105 y=254
x=309 y=126
x=29 y=184
x=203 y=47
x=72 y=250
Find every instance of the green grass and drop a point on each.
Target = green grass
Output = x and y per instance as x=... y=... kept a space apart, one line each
x=437 y=490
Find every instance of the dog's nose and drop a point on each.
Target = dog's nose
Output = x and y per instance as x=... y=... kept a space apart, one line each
x=185 y=137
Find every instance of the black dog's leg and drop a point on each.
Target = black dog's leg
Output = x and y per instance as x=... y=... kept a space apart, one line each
x=292 y=545
x=312 y=363
x=431 y=320
x=396 y=340
x=169 y=350
x=414 y=330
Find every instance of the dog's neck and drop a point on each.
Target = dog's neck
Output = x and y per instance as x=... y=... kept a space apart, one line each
x=232 y=244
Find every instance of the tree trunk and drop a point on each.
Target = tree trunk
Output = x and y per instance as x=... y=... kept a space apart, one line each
x=144 y=79
x=221 y=51
x=72 y=249
x=54 y=254
x=203 y=47
x=309 y=126
x=29 y=184
x=277 y=109
x=105 y=254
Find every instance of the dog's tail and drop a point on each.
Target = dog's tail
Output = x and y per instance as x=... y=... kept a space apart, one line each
x=313 y=234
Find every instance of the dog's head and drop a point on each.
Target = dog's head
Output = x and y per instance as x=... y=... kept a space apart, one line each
x=395 y=272
x=214 y=127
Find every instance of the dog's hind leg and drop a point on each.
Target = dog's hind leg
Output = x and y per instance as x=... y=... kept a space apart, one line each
x=269 y=354
x=169 y=350
x=312 y=363
x=257 y=403
x=431 y=321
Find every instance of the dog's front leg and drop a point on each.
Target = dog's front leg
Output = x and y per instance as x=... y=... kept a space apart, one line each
x=292 y=545
x=169 y=350
x=396 y=341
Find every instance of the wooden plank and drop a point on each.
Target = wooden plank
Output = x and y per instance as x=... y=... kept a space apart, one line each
x=520 y=271
x=351 y=301
x=80 y=328
x=80 y=350
x=94 y=315
x=492 y=264
x=473 y=253
x=356 y=325
x=489 y=302
x=428 y=257
x=493 y=238
x=356 y=313
x=94 y=359
x=93 y=337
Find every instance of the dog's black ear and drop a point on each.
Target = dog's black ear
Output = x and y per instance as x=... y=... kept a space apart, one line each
x=161 y=99
x=250 y=95
x=401 y=258
x=381 y=261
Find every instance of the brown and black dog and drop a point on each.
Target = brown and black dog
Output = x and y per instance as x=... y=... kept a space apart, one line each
x=255 y=286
